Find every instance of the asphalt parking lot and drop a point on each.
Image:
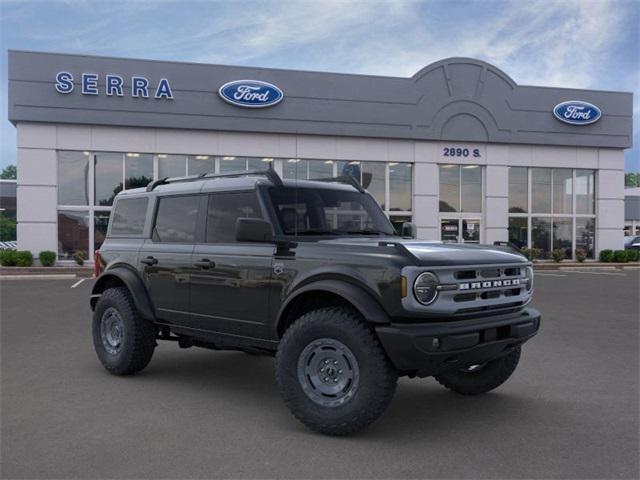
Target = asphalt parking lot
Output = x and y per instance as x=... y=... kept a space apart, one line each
x=569 y=411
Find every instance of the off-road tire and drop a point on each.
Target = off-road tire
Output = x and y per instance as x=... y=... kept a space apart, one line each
x=377 y=377
x=487 y=378
x=138 y=337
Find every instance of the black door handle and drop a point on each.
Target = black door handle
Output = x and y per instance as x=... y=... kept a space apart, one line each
x=149 y=261
x=204 y=263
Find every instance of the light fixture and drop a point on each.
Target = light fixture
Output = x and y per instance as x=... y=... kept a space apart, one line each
x=293 y=160
x=162 y=155
x=202 y=157
x=267 y=159
x=329 y=162
x=228 y=158
x=393 y=164
x=354 y=163
x=448 y=166
x=86 y=153
x=133 y=154
x=470 y=166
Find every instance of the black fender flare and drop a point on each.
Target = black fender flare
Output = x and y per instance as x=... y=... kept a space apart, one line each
x=135 y=285
x=362 y=300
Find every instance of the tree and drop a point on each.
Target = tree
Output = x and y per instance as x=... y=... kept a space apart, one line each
x=632 y=180
x=9 y=172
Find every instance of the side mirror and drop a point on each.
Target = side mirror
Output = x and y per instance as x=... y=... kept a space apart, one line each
x=408 y=230
x=254 y=230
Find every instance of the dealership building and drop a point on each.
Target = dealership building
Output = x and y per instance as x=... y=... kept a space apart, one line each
x=459 y=149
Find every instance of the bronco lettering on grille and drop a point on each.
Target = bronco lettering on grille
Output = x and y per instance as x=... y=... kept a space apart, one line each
x=489 y=284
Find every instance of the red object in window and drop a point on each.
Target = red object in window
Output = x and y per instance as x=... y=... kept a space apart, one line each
x=97 y=267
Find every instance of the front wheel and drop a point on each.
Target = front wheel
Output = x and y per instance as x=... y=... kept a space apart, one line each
x=332 y=372
x=482 y=378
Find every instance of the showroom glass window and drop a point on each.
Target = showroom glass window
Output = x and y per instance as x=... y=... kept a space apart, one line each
x=460 y=188
x=552 y=209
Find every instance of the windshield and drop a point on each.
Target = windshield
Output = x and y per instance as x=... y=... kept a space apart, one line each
x=309 y=211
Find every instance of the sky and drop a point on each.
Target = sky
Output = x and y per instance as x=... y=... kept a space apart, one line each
x=565 y=43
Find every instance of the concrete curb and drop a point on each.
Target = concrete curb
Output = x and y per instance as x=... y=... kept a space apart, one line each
x=46 y=271
x=52 y=276
x=585 y=266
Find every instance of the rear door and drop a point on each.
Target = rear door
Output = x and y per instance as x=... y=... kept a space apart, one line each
x=231 y=283
x=165 y=259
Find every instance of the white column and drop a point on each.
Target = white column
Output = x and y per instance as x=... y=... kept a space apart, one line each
x=496 y=204
x=610 y=200
x=37 y=188
x=426 y=191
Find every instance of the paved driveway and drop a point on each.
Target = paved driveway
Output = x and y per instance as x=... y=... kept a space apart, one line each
x=571 y=409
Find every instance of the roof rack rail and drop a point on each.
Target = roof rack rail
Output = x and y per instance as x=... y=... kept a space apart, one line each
x=348 y=179
x=270 y=173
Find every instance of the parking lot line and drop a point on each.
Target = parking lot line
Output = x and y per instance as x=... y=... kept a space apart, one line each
x=600 y=273
x=78 y=283
x=539 y=274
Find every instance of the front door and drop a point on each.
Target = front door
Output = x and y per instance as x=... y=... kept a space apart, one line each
x=460 y=230
x=165 y=259
x=231 y=283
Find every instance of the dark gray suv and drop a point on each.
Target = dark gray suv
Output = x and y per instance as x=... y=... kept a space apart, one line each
x=313 y=273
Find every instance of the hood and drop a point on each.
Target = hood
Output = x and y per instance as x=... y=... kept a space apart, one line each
x=441 y=254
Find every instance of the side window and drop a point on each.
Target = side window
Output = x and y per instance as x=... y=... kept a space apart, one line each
x=224 y=210
x=129 y=215
x=176 y=219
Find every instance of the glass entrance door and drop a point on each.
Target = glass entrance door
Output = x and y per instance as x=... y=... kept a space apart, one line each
x=460 y=230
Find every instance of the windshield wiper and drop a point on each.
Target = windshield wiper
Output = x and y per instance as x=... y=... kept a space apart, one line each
x=367 y=232
x=314 y=232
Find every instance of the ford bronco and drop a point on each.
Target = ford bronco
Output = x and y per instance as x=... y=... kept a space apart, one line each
x=313 y=273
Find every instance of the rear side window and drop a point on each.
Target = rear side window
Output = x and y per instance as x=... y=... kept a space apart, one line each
x=129 y=216
x=176 y=219
x=224 y=210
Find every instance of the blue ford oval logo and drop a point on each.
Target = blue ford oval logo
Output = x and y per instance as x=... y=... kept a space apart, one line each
x=577 y=112
x=251 y=93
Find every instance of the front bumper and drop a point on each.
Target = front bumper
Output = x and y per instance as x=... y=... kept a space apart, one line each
x=430 y=348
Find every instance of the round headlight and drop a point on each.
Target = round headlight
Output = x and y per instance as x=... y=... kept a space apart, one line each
x=529 y=275
x=425 y=288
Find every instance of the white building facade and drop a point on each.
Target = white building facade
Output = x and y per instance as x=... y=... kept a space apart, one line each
x=482 y=160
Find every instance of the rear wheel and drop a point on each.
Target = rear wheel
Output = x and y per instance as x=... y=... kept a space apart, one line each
x=123 y=341
x=481 y=378
x=332 y=372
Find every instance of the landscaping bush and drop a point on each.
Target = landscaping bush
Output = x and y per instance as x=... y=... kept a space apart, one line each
x=606 y=256
x=47 y=258
x=558 y=255
x=581 y=254
x=633 y=255
x=8 y=258
x=79 y=256
x=531 y=253
x=620 y=256
x=24 y=258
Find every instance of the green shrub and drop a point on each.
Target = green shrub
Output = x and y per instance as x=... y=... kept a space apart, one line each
x=531 y=253
x=633 y=255
x=79 y=256
x=581 y=254
x=8 y=258
x=47 y=258
x=606 y=256
x=620 y=256
x=558 y=255
x=24 y=258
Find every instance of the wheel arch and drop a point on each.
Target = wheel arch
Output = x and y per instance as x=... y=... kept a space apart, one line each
x=327 y=293
x=122 y=276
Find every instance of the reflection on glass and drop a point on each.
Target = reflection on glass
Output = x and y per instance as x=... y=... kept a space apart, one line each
x=518 y=231
x=585 y=235
x=541 y=190
x=562 y=190
x=138 y=170
x=100 y=222
x=294 y=168
x=108 y=177
x=375 y=171
x=199 y=164
x=541 y=235
x=172 y=166
x=400 y=186
x=258 y=163
x=518 y=190
x=449 y=188
x=233 y=164
x=73 y=178
x=319 y=169
x=449 y=230
x=471 y=188
x=585 y=191
x=399 y=220
x=562 y=233
x=73 y=233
